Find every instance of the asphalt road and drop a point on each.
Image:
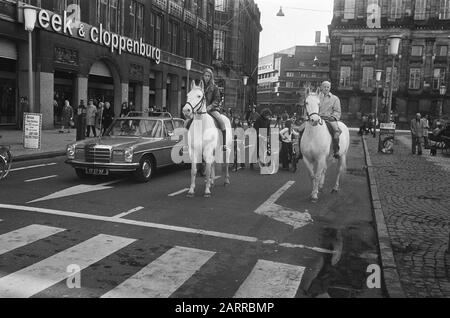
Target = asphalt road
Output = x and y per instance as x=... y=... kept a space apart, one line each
x=259 y=237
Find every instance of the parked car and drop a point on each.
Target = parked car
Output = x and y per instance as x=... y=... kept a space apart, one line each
x=138 y=145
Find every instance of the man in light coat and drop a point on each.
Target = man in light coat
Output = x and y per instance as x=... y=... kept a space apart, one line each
x=330 y=111
x=91 y=113
x=418 y=127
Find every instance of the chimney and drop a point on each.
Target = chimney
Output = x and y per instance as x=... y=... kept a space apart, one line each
x=318 y=36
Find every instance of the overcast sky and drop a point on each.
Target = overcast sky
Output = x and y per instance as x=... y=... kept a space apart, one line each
x=298 y=27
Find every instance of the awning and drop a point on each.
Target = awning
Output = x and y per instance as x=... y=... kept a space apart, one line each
x=100 y=69
x=8 y=49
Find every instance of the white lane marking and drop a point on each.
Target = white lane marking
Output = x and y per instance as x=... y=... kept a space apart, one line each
x=282 y=214
x=139 y=208
x=80 y=189
x=164 y=276
x=40 y=276
x=24 y=236
x=179 y=192
x=271 y=280
x=33 y=167
x=40 y=179
x=154 y=226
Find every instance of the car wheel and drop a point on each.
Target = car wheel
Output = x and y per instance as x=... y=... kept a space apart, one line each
x=146 y=169
x=81 y=174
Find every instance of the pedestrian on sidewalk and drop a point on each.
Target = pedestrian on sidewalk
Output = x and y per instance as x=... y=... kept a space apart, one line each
x=237 y=124
x=417 y=133
x=67 y=117
x=426 y=121
x=124 y=111
x=108 y=116
x=90 y=119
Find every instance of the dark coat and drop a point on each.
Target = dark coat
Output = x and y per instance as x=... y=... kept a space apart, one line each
x=108 y=117
x=212 y=97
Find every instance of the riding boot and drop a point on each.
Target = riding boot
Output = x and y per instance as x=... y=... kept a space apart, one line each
x=336 y=148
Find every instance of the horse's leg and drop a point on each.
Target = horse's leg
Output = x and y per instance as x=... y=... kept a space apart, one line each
x=322 y=179
x=191 y=192
x=310 y=167
x=227 y=168
x=208 y=180
x=342 y=168
x=321 y=166
x=213 y=175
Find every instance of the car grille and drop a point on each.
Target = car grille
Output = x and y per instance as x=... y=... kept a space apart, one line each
x=96 y=154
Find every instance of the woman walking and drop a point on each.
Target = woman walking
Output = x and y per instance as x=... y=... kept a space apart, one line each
x=67 y=117
x=91 y=113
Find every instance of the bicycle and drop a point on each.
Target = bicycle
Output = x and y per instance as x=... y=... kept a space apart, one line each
x=6 y=159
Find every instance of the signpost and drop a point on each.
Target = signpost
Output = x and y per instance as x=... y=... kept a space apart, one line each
x=32 y=131
x=387 y=137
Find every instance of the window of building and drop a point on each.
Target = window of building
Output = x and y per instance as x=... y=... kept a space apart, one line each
x=173 y=37
x=290 y=84
x=438 y=78
x=157 y=35
x=395 y=11
x=109 y=15
x=188 y=44
x=290 y=74
x=345 y=76
x=347 y=49
x=201 y=53
x=416 y=50
x=369 y=49
x=200 y=8
x=137 y=19
x=420 y=10
x=444 y=10
x=367 y=80
x=415 y=75
x=442 y=50
x=221 y=5
x=219 y=45
x=349 y=9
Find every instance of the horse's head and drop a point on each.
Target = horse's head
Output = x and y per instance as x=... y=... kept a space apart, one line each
x=195 y=101
x=312 y=105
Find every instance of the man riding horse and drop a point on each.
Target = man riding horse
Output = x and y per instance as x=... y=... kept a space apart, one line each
x=330 y=111
x=213 y=99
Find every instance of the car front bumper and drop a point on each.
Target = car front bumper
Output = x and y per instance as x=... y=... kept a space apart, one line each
x=112 y=167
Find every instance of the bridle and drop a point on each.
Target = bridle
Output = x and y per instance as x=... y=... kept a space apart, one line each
x=197 y=107
x=321 y=122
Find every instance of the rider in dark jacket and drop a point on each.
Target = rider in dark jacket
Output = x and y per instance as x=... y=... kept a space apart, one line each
x=213 y=98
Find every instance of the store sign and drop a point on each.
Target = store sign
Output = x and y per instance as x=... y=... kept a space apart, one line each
x=32 y=133
x=69 y=25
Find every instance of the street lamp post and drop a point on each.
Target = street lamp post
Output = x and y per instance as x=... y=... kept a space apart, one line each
x=442 y=92
x=245 y=79
x=378 y=80
x=30 y=15
x=393 y=50
x=188 y=69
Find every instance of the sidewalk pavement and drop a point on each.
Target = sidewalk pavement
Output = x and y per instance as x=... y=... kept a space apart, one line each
x=411 y=200
x=53 y=144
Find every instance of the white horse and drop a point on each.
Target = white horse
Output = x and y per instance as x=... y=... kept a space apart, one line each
x=203 y=139
x=316 y=145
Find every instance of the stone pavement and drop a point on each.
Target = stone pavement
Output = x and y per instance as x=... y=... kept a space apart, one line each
x=415 y=199
x=53 y=143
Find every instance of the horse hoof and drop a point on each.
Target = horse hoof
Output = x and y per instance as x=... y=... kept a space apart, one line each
x=334 y=191
x=190 y=195
x=314 y=200
x=207 y=196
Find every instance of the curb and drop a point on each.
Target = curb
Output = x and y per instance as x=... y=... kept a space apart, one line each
x=389 y=267
x=43 y=155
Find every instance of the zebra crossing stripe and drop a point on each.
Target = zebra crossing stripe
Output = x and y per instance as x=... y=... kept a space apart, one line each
x=164 y=276
x=24 y=236
x=40 y=276
x=271 y=280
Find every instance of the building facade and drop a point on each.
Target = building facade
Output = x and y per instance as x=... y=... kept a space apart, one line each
x=284 y=76
x=360 y=33
x=237 y=31
x=109 y=50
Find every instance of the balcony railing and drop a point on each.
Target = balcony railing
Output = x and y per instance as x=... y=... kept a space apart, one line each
x=8 y=10
x=190 y=18
x=161 y=4
x=175 y=9
x=202 y=24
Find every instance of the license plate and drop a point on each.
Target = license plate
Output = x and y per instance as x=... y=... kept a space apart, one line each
x=97 y=172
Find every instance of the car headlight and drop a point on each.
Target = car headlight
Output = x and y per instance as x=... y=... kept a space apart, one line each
x=71 y=152
x=129 y=152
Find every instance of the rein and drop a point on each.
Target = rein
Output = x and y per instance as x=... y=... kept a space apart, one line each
x=320 y=121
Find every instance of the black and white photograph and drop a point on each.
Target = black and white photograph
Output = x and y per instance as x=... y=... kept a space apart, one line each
x=225 y=154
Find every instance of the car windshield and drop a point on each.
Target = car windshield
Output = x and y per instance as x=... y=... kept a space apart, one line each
x=136 y=128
